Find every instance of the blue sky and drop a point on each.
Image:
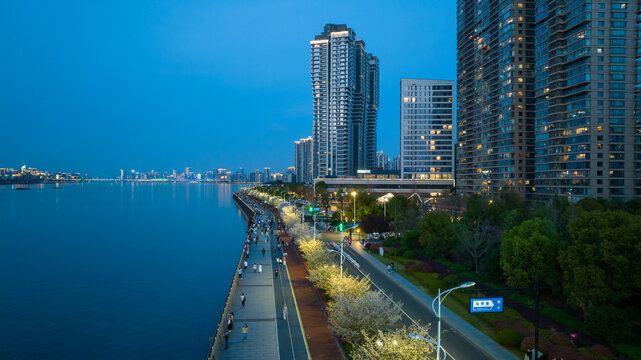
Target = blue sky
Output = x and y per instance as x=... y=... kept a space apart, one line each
x=96 y=86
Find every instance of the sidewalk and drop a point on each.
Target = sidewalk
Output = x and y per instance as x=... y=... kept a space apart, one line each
x=259 y=313
x=320 y=339
x=468 y=331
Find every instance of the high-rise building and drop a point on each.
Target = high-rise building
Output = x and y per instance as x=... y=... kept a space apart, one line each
x=495 y=96
x=345 y=81
x=588 y=97
x=427 y=134
x=382 y=160
x=268 y=174
x=303 y=160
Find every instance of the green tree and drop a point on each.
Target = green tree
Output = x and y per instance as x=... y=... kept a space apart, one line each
x=437 y=234
x=529 y=252
x=601 y=262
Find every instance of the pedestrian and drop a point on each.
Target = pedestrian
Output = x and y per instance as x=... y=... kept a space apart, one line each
x=243 y=298
x=284 y=260
x=274 y=251
x=255 y=267
x=226 y=339
x=263 y=252
x=276 y=273
x=240 y=273
x=260 y=268
x=389 y=269
x=245 y=264
x=230 y=323
x=285 y=312
x=244 y=331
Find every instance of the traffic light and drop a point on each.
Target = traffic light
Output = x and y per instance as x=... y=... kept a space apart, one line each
x=310 y=209
x=340 y=227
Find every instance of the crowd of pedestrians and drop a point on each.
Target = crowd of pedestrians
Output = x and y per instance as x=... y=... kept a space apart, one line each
x=262 y=227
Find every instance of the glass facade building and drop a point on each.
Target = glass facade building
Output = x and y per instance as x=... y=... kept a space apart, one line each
x=588 y=95
x=345 y=82
x=495 y=96
x=427 y=135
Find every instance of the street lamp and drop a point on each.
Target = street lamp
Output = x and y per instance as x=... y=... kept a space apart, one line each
x=385 y=208
x=354 y=195
x=440 y=297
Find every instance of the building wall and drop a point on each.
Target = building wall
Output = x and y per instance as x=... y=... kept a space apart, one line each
x=495 y=118
x=588 y=139
x=303 y=160
x=427 y=134
x=345 y=102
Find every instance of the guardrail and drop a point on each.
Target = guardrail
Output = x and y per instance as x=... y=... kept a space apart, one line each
x=216 y=342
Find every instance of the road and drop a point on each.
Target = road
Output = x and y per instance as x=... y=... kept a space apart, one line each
x=458 y=346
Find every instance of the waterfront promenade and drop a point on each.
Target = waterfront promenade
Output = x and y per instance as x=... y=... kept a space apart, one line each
x=269 y=335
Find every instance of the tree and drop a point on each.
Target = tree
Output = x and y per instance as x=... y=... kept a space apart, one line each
x=601 y=262
x=321 y=190
x=528 y=253
x=374 y=223
x=437 y=234
x=355 y=319
x=324 y=276
x=396 y=344
x=314 y=252
x=348 y=287
x=477 y=241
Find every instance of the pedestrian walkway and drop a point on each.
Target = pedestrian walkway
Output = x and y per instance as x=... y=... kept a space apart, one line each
x=259 y=313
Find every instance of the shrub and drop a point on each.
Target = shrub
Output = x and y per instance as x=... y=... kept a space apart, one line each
x=508 y=337
x=528 y=344
x=415 y=267
x=601 y=351
x=391 y=251
x=410 y=263
x=452 y=280
x=426 y=268
x=409 y=254
x=609 y=323
x=436 y=284
x=559 y=338
x=388 y=242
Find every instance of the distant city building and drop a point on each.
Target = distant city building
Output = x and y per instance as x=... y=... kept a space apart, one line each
x=303 y=160
x=187 y=171
x=396 y=163
x=382 y=160
x=345 y=82
x=427 y=135
x=267 y=175
x=495 y=94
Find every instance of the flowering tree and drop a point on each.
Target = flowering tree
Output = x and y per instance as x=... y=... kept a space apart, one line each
x=348 y=287
x=356 y=318
x=395 y=344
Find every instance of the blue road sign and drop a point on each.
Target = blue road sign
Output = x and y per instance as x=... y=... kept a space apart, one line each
x=485 y=305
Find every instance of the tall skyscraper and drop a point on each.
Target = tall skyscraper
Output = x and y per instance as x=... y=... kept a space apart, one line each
x=303 y=160
x=345 y=81
x=495 y=93
x=588 y=97
x=268 y=174
x=382 y=160
x=427 y=135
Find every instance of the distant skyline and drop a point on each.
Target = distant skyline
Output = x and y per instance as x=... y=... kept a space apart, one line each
x=95 y=88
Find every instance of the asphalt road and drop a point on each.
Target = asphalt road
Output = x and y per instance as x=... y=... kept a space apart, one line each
x=458 y=346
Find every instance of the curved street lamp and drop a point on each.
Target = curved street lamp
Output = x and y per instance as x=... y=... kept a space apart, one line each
x=440 y=297
x=354 y=195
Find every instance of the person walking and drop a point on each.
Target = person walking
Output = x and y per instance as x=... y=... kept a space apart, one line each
x=285 y=312
x=263 y=252
x=255 y=267
x=245 y=264
x=242 y=299
x=260 y=268
x=240 y=273
x=230 y=323
x=226 y=339
x=276 y=273
x=244 y=331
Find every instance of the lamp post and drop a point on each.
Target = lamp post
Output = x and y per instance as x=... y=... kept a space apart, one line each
x=354 y=195
x=385 y=208
x=440 y=297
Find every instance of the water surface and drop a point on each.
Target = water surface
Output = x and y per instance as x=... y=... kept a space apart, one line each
x=115 y=271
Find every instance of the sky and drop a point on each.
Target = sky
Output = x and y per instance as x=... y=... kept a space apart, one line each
x=98 y=86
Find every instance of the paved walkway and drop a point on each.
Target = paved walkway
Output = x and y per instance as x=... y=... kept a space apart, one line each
x=459 y=338
x=269 y=335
